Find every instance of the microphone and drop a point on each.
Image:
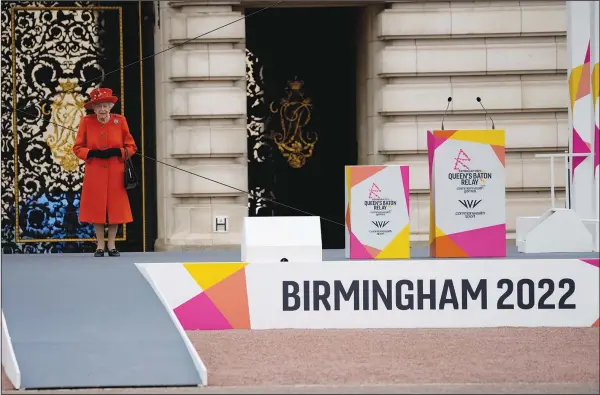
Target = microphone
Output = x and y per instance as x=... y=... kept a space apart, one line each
x=444 y=116
x=486 y=113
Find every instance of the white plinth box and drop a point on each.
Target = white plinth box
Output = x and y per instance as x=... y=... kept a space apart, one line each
x=273 y=239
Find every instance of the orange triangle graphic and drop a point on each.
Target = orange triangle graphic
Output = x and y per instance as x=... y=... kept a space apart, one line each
x=500 y=153
x=596 y=324
x=446 y=248
x=348 y=216
x=446 y=134
x=230 y=297
x=372 y=251
x=585 y=87
x=361 y=173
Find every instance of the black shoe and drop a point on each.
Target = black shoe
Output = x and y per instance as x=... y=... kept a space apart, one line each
x=99 y=253
x=113 y=252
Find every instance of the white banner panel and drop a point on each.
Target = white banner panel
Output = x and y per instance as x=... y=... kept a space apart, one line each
x=581 y=108
x=424 y=294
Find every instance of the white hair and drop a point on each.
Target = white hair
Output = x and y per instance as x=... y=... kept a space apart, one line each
x=110 y=105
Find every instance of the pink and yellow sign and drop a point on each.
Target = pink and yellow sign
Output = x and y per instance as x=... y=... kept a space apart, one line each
x=377 y=212
x=582 y=77
x=468 y=193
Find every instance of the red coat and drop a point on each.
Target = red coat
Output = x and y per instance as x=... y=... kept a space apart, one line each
x=103 y=189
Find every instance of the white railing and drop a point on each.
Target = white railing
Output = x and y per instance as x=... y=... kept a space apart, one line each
x=566 y=157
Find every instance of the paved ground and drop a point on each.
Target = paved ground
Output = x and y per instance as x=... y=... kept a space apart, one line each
x=491 y=360
x=541 y=388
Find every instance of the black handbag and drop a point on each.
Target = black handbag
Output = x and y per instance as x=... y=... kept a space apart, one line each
x=131 y=178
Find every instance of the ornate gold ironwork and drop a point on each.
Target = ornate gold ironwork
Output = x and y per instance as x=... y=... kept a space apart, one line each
x=294 y=114
x=66 y=112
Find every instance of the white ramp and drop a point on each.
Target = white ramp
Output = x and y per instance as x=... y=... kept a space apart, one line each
x=9 y=359
x=281 y=239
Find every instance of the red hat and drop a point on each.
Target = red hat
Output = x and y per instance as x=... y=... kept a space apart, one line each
x=100 y=95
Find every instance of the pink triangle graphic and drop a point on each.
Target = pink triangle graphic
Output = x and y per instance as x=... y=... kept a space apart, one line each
x=593 y=261
x=588 y=54
x=433 y=143
x=579 y=147
x=372 y=251
x=483 y=242
x=430 y=150
x=596 y=147
x=200 y=313
x=357 y=250
x=439 y=141
x=404 y=170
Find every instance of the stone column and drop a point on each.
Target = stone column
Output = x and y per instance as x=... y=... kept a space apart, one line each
x=369 y=85
x=201 y=123
x=581 y=114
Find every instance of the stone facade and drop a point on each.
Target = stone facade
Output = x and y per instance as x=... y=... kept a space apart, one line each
x=412 y=56
x=201 y=123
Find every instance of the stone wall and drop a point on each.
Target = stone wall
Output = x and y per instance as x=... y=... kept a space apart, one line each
x=201 y=123
x=510 y=53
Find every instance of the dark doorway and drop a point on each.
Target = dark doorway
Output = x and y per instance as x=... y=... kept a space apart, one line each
x=304 y=60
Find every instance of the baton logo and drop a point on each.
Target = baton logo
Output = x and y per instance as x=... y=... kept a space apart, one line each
x=373 y=192
x=459 y=161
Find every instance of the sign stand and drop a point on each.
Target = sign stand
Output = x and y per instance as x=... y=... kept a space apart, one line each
x=468 y=193
x=377 y=212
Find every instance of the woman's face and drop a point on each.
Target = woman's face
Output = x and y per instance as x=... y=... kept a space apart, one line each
x=102 y=109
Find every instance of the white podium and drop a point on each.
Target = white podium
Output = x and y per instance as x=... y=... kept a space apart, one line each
x=468 y=193
x=377 y=212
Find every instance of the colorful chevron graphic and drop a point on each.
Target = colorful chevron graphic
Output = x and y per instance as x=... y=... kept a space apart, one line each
x=580 y=87
x=204 y=296
x=448 y=237
x=593 y=262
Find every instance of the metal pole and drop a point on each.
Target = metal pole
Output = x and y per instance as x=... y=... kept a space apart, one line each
x=552 y=197
x=567 y=185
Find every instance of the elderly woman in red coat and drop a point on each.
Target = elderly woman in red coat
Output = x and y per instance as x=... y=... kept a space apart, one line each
x=103 y=141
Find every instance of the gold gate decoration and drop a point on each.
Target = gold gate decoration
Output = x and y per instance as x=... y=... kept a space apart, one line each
x=294 y=114
x=66 y=112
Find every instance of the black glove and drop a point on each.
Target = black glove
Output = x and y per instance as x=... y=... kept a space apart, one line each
x=113 y=152
x=94 y=153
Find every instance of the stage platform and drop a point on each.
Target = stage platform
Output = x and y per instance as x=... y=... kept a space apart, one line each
x=80 y=321
x=233 y=255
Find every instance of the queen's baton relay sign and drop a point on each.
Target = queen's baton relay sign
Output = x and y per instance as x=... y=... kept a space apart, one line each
x=377 y=212
x=468 y=198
